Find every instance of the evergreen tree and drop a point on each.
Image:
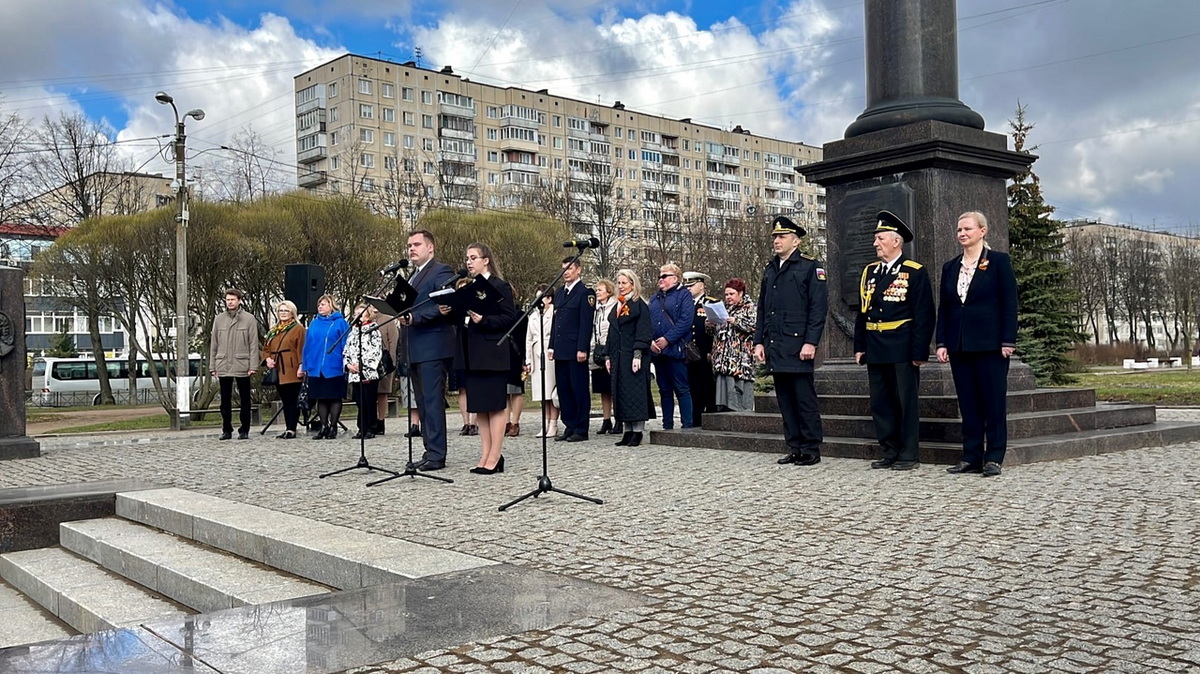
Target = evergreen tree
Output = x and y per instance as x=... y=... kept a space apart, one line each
x=62 y=345
x=1045 y=325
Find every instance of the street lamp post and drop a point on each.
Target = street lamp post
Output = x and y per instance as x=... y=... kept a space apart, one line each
x=183 y=394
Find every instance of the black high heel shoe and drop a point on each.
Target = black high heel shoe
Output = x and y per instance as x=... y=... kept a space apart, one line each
x=321 y=433
x=606 y=427
x=635 y=440
x=624 y=441
x=480 y=470
x=500 y=464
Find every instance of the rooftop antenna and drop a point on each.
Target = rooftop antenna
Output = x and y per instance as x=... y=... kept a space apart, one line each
x=417 y=55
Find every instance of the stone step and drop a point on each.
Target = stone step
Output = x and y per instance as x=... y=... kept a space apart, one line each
x=1020 y=451
x=946 y=406
x=333 y=555
x=1022 y=425
x=190 y=573
x=22 y=621
x=81 y=593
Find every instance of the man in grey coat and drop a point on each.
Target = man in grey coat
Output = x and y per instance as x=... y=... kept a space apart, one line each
x=793 y=299
x=233 y=357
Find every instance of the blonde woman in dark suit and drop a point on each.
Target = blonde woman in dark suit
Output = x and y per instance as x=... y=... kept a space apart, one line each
x=977 y=334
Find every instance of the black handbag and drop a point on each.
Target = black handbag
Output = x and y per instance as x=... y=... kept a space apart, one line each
x=600 y=355
x=386 y=365
x=271 y=377
x=691 y=352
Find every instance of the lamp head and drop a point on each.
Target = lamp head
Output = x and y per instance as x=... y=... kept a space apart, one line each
x=164 y=98
x=196 y=114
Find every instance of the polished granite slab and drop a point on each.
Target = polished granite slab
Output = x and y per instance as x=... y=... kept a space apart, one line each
x=337 y=631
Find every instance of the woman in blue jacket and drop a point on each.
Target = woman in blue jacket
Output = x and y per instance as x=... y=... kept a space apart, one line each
x=322 y=363
x=976 y=334
x=671 y=312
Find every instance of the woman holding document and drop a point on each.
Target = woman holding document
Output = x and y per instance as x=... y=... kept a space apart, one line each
x=486 y=316
x=733 y=351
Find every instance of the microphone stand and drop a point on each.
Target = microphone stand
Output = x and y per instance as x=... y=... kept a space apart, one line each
x=410 y=469
x=362 y=431
x=544 y=484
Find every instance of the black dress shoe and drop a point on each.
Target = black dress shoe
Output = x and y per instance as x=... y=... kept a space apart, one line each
x=963 y=467
x=226 y=436
x=330 y=433
x=577 y=438
x=321 y=434
x=563 y=436
x=788 y=458
x=883 y=463
x=243 y=435
x=634 y=440
x=808 y=460
x=905 y=465
x=624 y=441
x=991 y=469
x=413 y=432
x=427 y=466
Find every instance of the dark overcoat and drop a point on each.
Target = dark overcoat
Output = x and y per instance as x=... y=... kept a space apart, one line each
x=793 y=301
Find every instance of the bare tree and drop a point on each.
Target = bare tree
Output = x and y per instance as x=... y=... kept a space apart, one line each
x=1089 y=276
x=77 y=170
x=405 y=197
x=13 y=132
x=249 y=169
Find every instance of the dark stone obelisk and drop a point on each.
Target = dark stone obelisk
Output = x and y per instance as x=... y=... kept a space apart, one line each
x=14 y=443
x=917 y=151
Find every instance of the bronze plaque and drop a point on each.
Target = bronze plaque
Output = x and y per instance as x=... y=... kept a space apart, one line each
x=859 y=208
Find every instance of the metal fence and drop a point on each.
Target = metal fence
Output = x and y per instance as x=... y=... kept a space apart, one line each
x=85 y=398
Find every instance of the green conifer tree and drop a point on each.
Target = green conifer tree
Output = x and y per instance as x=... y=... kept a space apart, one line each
x=1045 y=325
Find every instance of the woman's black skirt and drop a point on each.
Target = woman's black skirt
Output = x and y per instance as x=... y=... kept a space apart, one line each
x=486 y=391
x=327 y=388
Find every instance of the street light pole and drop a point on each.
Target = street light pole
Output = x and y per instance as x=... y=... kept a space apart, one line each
x=183 y=394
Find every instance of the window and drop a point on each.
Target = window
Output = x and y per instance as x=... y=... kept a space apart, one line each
x=406 y=93
x=428 y=168
x=307 y=94
x=364 y=87
x=493 y=156
x=389 y=162
x=493 y=179
x=456 y=99
x=367 y=160
x=633 y=154
x=409 y=118
x=366 y=111
x=389 y=139
x=649 y=137
x=366 y=135
x=333 y=114
x=427 y=121
x=335 y=163
x=577 y=124
x=368 y=184
x=333 y=138
x=427 y=144
x=558 y=142
x=493 y=112
x=409 y=142
x=389 y=114
x=387 y=90
x=558 y=121
x=427 y=97
x=617 y=132
x=493 y=134
x=333 y=89
x=518 y=133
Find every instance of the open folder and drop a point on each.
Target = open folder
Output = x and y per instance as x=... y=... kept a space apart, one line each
x=398 y=301
x=479 y=296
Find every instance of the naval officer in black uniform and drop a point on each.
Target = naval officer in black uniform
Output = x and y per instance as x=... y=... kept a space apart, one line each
x=894 y=325
x=570 y=343
x=793 y=300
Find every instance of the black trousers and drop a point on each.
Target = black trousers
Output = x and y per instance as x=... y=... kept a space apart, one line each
x=574 y=394
x=289 y=397
x=801 y=415
x=430 y=379
x=243 y=386
x=894 y=409
x=981 y=380
x=364 y=396
x=704 y=389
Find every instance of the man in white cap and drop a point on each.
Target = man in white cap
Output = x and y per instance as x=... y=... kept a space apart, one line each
x=700 y=372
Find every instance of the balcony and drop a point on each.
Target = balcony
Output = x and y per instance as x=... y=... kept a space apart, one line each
x=460 y=157
x=507 y=144
x=456 y=110
x=456 y=133
x=312 y=155
x=519 y=166
x=312 y=179
x=318 y=102
x=520 y=122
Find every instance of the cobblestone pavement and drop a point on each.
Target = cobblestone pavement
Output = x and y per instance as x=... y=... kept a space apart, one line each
x=1074 y=566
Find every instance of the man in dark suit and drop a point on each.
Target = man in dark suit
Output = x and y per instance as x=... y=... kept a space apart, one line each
x=431 y=341
x=570 y=341
x=891 y=336
x=793 y=300
x=700 y=372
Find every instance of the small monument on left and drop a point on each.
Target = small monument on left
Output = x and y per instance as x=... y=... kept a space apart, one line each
x=14 y=443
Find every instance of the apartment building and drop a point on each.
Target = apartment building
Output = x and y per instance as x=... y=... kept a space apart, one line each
x=406 y=138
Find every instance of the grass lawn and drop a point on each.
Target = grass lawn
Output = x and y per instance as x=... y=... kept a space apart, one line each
x=1164 y=387
x=153 y=422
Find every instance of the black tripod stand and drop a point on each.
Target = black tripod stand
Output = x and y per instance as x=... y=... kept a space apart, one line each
x=544 y=484
x=362 y=430
x=410 y=468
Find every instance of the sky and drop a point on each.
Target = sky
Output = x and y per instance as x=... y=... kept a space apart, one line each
x=1110 y=85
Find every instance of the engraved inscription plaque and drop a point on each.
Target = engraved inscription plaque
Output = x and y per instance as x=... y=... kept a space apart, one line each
x=859 y=208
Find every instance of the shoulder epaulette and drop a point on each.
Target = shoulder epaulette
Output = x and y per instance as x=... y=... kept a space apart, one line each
x=806 y=256
x=912 y=263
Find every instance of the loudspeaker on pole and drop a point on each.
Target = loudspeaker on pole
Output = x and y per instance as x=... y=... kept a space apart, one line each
x=304 y=284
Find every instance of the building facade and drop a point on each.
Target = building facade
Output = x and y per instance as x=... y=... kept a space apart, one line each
x=406 y=139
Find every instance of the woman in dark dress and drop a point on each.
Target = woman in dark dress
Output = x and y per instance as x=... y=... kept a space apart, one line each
x=487 y=361
x=976 y=334
x=629 y=335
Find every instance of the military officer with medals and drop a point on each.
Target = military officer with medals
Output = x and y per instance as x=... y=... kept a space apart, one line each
x=793 y=301
x=892 y=332
x=700 y=373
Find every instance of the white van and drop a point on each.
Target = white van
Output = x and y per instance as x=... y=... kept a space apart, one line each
x=71 y=382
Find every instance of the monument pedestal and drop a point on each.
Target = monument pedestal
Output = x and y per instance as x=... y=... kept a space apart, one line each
x=14 y=443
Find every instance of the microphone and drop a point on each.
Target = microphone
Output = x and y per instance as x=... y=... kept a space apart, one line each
x=392 y=268
x=592 y=242
x=462 y=273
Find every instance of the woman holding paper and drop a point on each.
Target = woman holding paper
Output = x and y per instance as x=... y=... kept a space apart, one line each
x=733 y=351
x=486 y=359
